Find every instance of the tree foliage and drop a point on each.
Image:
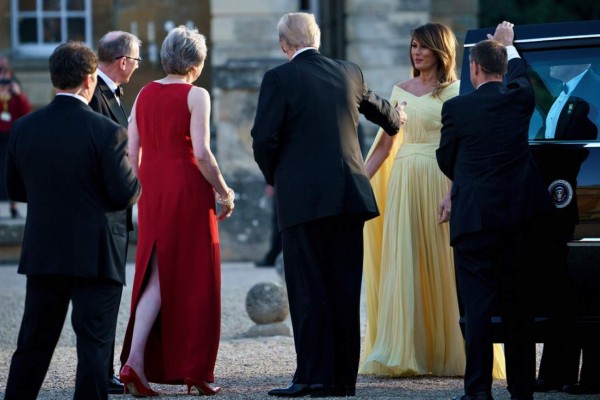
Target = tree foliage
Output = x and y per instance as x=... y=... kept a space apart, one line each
x=522 y=12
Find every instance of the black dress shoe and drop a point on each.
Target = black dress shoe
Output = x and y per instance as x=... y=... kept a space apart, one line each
x=476 y=396
x=115 y=386
x=581 y=388
x=300 y=390
x=543 y=385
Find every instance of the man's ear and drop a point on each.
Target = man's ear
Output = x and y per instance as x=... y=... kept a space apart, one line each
x=89 y=81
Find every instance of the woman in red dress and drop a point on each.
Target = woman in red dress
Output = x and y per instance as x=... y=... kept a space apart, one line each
x=174 y=328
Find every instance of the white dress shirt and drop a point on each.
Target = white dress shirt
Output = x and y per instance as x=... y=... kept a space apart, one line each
x=557 y=106
x=77 y=96
x=109 y=82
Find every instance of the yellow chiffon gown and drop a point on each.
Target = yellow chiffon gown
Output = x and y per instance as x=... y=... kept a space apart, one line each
x=412 y=307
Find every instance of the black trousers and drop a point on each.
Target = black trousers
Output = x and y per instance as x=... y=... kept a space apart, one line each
x=95 y=306
x=275 y=242
x=323 y=271
x=492 y=276
x=111 y=367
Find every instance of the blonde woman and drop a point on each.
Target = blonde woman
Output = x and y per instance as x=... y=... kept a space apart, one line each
x=412 y=306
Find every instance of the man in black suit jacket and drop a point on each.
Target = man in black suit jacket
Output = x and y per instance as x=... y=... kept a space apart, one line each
x=306 y=145
x=496 y=190
x=118 y=58
x=575 y=115
x=69 y=164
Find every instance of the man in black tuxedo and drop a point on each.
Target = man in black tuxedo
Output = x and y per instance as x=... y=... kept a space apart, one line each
x=306 y=145
x=496 y=190
x=69 y=164
x=118 y=58
x=574 y=115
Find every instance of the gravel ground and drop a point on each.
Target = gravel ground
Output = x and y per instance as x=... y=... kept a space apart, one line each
x=246 y=368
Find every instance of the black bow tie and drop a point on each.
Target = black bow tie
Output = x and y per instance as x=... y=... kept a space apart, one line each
x=119 y=91
x=565 y=88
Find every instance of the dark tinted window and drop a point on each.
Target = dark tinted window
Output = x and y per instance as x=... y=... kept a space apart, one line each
x=567 y=91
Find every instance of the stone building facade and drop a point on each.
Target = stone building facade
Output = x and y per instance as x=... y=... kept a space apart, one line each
x=243 y=44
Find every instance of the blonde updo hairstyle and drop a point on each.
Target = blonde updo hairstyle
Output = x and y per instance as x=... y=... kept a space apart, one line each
x=182 y=49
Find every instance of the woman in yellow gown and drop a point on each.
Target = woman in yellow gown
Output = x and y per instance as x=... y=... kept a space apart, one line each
x=412 y=306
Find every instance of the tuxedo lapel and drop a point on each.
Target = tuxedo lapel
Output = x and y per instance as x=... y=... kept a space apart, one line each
x=566 y=115
x=117 y=111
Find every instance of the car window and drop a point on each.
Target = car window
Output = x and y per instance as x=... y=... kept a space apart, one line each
x=567 y=93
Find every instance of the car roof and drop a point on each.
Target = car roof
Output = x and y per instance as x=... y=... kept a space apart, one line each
x=584 y=30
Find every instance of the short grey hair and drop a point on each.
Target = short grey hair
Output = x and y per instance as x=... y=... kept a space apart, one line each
x=116 y=44
x=182 y=49
x=298 y=30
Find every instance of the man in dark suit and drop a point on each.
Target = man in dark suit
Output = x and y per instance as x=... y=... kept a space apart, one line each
x=69 y=164
x=574 y=115
x=118 y=58
x=306 y=145
x=496 y=190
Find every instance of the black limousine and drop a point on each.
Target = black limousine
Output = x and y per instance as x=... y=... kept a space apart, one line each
x=564 y=133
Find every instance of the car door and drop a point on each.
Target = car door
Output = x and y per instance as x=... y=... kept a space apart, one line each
x=564 y=247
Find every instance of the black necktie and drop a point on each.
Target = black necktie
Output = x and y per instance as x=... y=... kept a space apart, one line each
x=119 y=91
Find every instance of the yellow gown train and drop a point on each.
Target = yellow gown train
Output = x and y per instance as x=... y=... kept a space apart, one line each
x=412 y=308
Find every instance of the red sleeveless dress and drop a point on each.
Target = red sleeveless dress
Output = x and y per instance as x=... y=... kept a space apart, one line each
x=176 y=216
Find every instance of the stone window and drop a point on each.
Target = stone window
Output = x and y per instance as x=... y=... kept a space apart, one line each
x=38 y=26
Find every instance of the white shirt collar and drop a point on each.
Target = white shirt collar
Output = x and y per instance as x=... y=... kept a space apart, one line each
x=301 y=50
x=575 y=81
x=111 y=85
x=77 y=96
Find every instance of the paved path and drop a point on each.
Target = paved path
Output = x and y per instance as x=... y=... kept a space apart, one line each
x=246 y=368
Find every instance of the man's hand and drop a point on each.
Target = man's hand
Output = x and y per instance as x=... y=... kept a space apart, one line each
x=444 y=209
x=504 y=33
x=400 y=109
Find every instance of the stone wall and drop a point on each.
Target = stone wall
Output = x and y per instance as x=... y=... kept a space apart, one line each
x=378 y=39
x=244 y=45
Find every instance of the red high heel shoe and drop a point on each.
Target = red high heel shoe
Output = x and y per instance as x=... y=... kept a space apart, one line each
x=201 y=386
x=132 y=383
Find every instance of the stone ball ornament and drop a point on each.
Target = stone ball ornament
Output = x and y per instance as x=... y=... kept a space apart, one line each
x=267 y=303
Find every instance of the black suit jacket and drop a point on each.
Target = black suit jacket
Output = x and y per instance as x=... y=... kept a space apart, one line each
x=579 y=118
x=305 y=137
x=69 y=164
x=105 y=102
x=484 y=150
